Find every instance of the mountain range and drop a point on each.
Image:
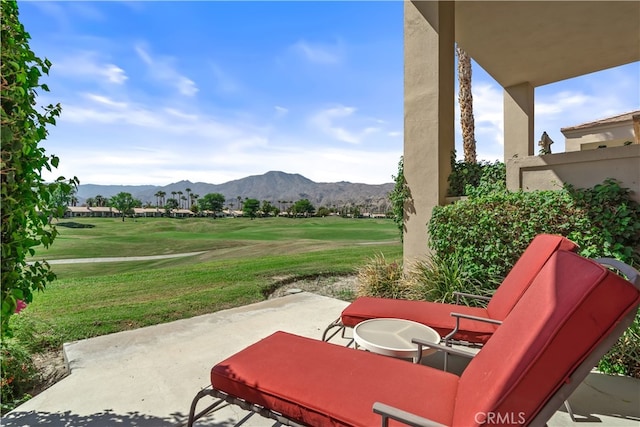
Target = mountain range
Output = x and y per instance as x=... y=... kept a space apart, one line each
x=273 y=186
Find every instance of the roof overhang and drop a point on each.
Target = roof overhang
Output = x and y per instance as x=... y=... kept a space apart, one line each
x=542 y=42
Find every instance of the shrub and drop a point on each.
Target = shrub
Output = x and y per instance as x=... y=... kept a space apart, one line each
x=381 y=279
x=611 y=224
x=438 y=277
x=624 y=356
x=465 y=176
x=492 y=228
x=19 y=374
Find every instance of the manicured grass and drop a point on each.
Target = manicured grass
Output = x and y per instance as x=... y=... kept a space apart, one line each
x=107 y=237
x=243 y=261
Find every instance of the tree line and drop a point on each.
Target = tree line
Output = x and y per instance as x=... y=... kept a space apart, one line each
x=215 y=204
x=212 y=204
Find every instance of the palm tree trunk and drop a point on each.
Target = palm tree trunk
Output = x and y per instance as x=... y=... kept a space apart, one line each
x=465 y=99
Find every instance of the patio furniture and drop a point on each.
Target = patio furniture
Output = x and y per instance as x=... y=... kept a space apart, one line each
x=393 y=337
x=570 y=316
x=452 y=321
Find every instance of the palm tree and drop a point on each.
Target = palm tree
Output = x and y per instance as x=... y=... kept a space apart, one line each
x=100 y=200
x=239 y=202
x=158 y=195
x=180 y=198
x=188 y=190
x=465 y=99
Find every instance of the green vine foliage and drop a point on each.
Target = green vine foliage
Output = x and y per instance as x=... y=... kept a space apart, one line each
x=493 y=227
x=27 y=205
x=399 y=196
x=465 y=177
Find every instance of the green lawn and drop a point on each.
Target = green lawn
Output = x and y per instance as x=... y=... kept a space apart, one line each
x=242 y=260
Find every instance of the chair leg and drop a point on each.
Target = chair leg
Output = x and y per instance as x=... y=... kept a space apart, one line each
x=193 y=417
x=569 y=410
x=335 y=324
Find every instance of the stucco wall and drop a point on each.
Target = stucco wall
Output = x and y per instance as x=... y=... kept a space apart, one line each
x=589 y=139
x=582 y=169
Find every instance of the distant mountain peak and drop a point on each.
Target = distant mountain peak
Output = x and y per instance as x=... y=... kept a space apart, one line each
x=273 y=186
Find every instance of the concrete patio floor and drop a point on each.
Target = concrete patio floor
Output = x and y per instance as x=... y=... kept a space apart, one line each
x=148 y=377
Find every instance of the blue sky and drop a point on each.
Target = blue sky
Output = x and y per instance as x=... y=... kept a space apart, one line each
x=158 y=92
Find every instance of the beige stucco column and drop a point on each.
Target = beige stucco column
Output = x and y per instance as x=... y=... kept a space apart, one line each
x=518 y=125
x=428 y=115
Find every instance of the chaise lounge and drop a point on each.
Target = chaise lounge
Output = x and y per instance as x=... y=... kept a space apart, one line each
x=571 y=314
x=458 y=322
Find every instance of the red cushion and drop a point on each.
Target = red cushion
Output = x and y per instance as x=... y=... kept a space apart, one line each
x=524 y=271
x=436 y=315
x=322 y=384
x=569 y=308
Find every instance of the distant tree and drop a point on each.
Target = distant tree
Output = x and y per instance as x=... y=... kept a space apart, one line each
x=304 y=207
x=60 y=199
x=251 y=207
x=170 y=205
x=188 y=190
x=158 y=195
x=90 y=201
x=323 y=211
x=213 y=202
x=73 y=197
x=162 y=196
x=100 y=200
x=267 y=207
x=125 y=203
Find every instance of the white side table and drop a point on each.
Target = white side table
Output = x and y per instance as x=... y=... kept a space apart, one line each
x=392 y=337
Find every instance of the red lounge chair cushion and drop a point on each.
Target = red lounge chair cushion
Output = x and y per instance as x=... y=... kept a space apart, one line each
x=570 y=307
x=322 y=384
x=436 y=315
x=524 y=271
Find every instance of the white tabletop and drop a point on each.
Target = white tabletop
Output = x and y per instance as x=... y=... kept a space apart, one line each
x=392 y=337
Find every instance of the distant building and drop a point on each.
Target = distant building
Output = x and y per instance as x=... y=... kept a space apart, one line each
x=616 y=131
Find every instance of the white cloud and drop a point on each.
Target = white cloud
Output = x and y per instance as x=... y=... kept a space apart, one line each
x=162 y=70
x=326 y=121
x=281 y=111
x=186 y=86
x=88 y=65
x=105 y=101
x=180 y=114
x=318 y=53
x=561 y=102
